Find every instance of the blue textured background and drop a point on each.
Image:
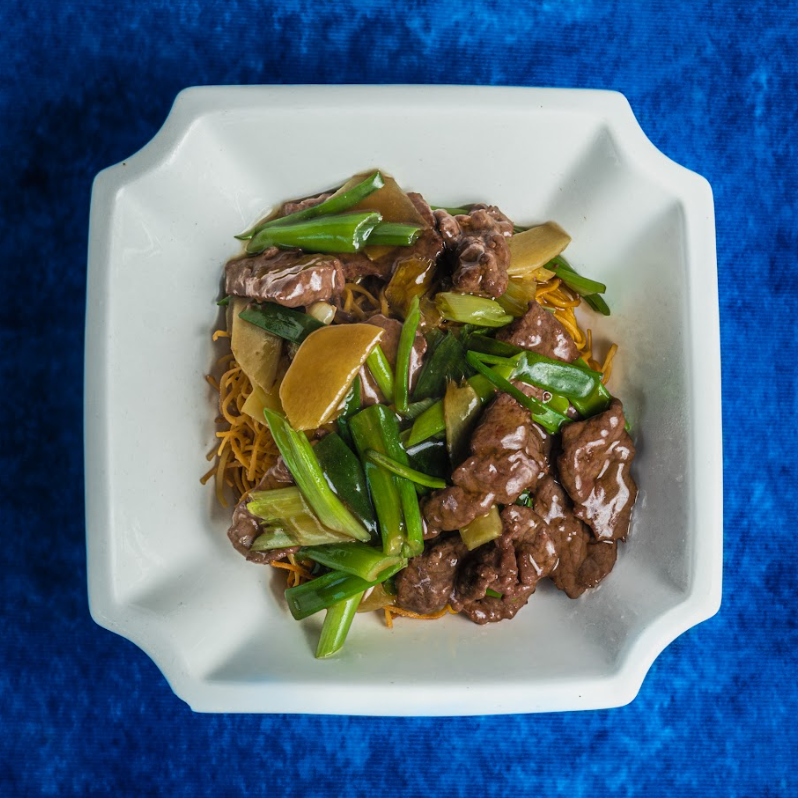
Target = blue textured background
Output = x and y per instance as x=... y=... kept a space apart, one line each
x=85 y=84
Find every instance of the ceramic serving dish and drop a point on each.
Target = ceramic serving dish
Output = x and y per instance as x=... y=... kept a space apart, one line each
x=161 y=570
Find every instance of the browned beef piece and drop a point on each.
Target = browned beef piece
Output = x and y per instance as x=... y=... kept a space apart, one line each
x=292 y=206
x=292 y=278
x=582 y=560
x=595 y=470
x=426 y=584
x=356 y=266
x=429 y=245
x=511 y=565
x=509 y=453
x=245 y=527
x=453 y=508
x=540 y=332
x=478 y=242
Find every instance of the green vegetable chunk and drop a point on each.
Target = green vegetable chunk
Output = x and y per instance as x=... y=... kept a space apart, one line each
x=447 y=362
x=380 y=369
x=286 y=514
x=404 y=470
x=345 y=475
x=293 y=325
x=304 y=467
x=311 y=597
x=393 y=234
x=335 y=628
x=591 y=290
x=345 y=233
x=547 y=417
x=394 y=498
x=406 y=340
x=352 y=558
x=337 y=203
x=468 y=309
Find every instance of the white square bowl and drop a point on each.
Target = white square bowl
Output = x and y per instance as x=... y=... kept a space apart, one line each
x=161 y=570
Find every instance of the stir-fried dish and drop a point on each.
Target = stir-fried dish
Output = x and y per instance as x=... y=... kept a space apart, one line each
x=412 y=419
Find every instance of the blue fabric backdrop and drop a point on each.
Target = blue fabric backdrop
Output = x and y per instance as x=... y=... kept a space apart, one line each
x=85 y=84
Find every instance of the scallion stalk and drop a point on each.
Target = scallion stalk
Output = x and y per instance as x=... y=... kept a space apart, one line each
x=337 y=203
x=285 y=510
x=352 y=558
x=335 y=628
x=469 y=309
x=365 y=427
x=404 y=471
x=330 y=588
x=406 y=340
x=380 y=369
x=304 y=467
x=292 y=325
x=345 y=233
x=433 y=421
x=393 y=234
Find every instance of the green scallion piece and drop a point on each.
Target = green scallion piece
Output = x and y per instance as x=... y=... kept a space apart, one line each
x=352 y=558
x=380 y=369
x=406 y=340
x=547 y=417
x=345 y=233
x=404 y=471
x=393 y=234
x=304 y=467
x=335 y=628
x=330 y=588
x=337 y=203
x=469 y=309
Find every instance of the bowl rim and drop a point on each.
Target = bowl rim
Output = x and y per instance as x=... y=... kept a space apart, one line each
x=703 y=597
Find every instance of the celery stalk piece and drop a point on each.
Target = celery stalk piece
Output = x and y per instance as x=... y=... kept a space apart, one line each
x=304 y=467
